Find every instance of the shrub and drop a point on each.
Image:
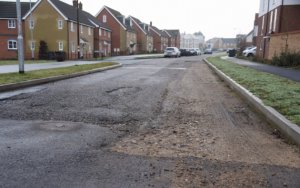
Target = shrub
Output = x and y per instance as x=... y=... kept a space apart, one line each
x=43 y=50
x=286 y=59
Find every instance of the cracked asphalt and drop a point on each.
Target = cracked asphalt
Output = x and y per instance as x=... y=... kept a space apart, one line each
x=152 y=123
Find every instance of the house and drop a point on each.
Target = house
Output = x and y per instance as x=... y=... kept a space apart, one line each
x=62 y=29
x=123 y=34
x=160 y=39
x=222 y=43
x=144 y=38
x=9 y=28
x=196 y=40
x=174 y=37
x=278 y=27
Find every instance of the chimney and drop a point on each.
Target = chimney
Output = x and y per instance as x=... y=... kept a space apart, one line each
x=150 y=24
x=75 y=3
x=80 y=6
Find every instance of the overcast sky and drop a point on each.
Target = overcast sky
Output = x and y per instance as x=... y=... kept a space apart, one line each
x=214 y=18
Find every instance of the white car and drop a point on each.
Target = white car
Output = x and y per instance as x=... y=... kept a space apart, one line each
x=250 y=52
x=172 y=52
x=198 y=51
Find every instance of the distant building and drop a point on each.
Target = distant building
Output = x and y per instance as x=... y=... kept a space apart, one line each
x=160 y=39
x=174 y=37
x=192 y=40
x=222 y=43
x=278 y=27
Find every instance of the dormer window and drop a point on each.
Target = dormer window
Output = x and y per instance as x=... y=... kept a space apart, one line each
x=104 y=19
x=11 y=23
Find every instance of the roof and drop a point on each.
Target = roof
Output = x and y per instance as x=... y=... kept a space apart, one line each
x=119 y=17
x=173 y=32
x=144 y=27
x=229 y=40
x=9 y=10
x=159 y=32
x=70 y=12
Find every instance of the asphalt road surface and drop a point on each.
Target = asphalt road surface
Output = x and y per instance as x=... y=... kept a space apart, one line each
x=152 y=123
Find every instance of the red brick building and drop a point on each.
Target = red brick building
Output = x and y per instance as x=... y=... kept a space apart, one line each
x=9 y=28
x=124 y=38
x=160 y=39
x=277 y=19
x=174 y=37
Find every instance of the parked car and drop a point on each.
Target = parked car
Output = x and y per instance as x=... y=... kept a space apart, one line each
x=193 y=51
x=185 y=52
x=208 y=51
x=250 y=52
x=198 y=51
x=172 y=52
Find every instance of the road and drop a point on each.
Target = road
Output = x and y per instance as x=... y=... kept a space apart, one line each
x=152 y=123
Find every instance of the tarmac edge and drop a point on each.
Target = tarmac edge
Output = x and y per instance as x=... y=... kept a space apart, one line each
x=29 y=83
x=289 y=129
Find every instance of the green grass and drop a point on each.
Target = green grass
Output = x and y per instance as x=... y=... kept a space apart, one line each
x=280 y=93
x=15 y=62
x=9 y=78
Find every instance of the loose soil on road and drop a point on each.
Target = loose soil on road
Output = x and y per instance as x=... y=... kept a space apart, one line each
x=171 y=123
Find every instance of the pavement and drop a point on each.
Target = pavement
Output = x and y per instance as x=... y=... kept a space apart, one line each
x=40 y=66
x=280 y=71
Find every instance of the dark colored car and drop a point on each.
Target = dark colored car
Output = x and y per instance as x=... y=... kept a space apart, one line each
x=185 y=52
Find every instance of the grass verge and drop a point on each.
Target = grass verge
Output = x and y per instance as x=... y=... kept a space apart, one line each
x=10 y=78
x=15 y=62
x=280 y=93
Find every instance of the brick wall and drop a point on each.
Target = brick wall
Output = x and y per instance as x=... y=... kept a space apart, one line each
x=5 y=35
x=279 y=42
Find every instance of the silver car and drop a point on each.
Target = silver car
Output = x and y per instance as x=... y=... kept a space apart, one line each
x=172 y=52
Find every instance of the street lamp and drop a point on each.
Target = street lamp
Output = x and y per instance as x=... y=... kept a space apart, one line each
x=78 y=38
x=20 y=38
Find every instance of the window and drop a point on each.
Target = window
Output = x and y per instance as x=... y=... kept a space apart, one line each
x=100 y=32
x=60 y=24
x=81 y=29
x=31 y=24
x=32 y=45
x=108 y=34
x=271 y=22
x=275 y=20
x=90 y=31
x=11 y=23
x=104 y=19
x=60 y=46
x=73 y=47
x=90 y=49
x=262 y=25
x=12 y=45
x=72 y=26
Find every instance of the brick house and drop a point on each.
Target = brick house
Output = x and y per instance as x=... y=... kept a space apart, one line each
x=124 y=37
x=9 y=28
x=60 y=19
x=278 y=27
x=174 y=37
x=144 y=37
x=160 y=39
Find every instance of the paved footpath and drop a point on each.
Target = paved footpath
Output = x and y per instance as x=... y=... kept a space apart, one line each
x=54 y=64
x=284 y=72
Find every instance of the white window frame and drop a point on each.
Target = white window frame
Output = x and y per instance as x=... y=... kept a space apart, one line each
x=11 y=24
x=14 y=47
x=73 y=48
x=104 y=19
x=275 y=20
x=60 y=46
x=31 y=24
x=60 y=24
x=72 y=26
x=100 y=32
x=90 y=32
x=81 y=29
x=271 y=23
x=32 y=45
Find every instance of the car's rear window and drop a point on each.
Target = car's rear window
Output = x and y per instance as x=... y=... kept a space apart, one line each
x=170 y=49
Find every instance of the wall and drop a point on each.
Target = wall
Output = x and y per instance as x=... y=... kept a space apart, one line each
x=278 y=43
x=5 y=35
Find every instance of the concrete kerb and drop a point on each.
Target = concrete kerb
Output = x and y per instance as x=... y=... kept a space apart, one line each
x=29 y=83
x=289 y=129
